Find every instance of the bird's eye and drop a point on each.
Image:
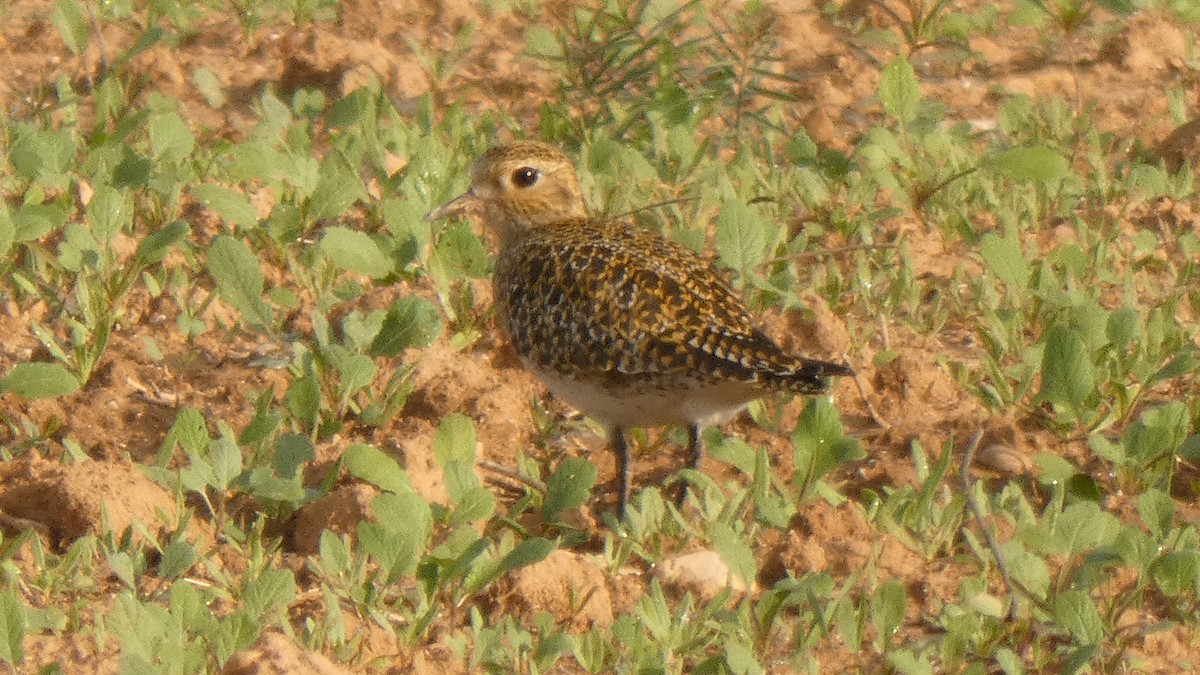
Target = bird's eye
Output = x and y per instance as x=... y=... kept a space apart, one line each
x=525 y=176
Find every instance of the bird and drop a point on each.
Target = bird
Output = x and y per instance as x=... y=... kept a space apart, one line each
x=627 y=326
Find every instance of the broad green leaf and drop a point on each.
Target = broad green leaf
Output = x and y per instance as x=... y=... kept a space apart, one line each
x=338 y=187
x=899 y=91
x=735 y=552
x=1068 y=376
x=1036 y=163
x=42 y=155
x=133 y=171
x=1076 y=612
x=209 y=86
x=1157 y=510
x=1026 y=567
x=291 y=452
x=400 y=534
x=12 y=629
x=741 y=659
x=231 y=205
x=171 y=140
x=154 y=248
x=528 y=552
x=1158 y=431
x=887 y=608
x=460 y=252
x=820 y=443
x=8 y=230
x=1083 y=527
x=236 y=271
x=1004 y=258
x=743 y=236
x=540 y=42
x=266 y=596
x=39 y=380
x=68 y=18
x=33 y=221
x=1123 y=327
x=1177 y=573
x=373 y=466
x=110 y=211
x=411 y=322
x=226 y=459
x=177 y=558
x=1184 y=363
x=568 y=487
x=356 y=252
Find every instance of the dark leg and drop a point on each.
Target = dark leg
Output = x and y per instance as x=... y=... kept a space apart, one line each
x=617 y=439
x=695 y=450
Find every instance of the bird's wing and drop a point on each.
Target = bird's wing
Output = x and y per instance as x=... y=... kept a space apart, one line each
x=611 y=298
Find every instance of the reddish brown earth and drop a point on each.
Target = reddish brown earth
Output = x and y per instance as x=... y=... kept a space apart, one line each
x=123 y=414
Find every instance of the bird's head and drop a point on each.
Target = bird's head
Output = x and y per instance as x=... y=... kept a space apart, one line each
x=517 y=186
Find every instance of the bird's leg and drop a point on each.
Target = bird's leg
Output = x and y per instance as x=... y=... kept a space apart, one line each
x=621 y=449
x=695 y=450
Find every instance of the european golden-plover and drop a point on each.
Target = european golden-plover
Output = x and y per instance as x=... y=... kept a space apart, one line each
x=629 y=327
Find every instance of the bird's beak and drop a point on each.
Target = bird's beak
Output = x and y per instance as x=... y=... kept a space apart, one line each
x=455 y=207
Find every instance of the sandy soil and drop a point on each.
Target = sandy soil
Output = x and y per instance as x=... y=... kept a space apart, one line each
x=122 y=416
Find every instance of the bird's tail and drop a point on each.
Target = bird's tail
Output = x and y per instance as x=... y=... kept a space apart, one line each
x=810 y=376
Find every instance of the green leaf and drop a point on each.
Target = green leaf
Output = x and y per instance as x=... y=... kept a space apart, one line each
x=373 y=466
x=887 y=608
x=356 y=252
x=44 y=156
x=411 y=322
x=8 y=229
x=1026 y=567
x=400 y=534
x=820 y=443
x=1076 y=612
x=226 y=459
x=899 y=90
x=236 y=271
x=110 y=211
x=12 y=629
x=461 y=253
x=177 y=558
x=39 y=380
x=1158 y=432
x=541 y=43
x=155 y=247
x=291 y=452
x=1177 y=573
x=740 y=659
x=735 y=552
x=1124 y=325
x=229 y=204
x=1004 y=258
x=528 y=552
x=1182 y=364
x=743 y=236
x=171 y=140
x=1068 y=376
x=338 y=187
x=568 y=487
x=454 y=446
x=209 y=86
x=1038 y=163
x=269 y=594
x=68 y=18
x=1157 y=511
x=1083 y=527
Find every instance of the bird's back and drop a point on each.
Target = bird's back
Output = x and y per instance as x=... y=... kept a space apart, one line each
x=612 y=304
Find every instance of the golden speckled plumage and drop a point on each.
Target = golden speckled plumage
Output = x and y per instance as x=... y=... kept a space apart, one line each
x=631 y=328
